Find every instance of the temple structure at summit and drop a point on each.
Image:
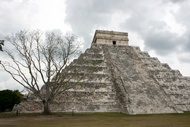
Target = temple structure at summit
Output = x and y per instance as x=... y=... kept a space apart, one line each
x=110 y=38
x=118 y=77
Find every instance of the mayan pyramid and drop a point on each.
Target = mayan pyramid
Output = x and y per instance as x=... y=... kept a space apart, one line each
x=122 y=78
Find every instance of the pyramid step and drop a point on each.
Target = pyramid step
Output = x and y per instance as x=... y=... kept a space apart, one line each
x=151 y=60
x=101 y=90
x=186 y=79
x=166 y=74
x=87 y=81
x=70 y=107
x=177 y=83
x=157 y=67
x=90 y=75
x=88 y=78
x=89 y=62
x=86 y=69
x=136 y=48
x=143 y=55
x=94 y=51
x=180 y=98
x=91 y=84
x=92 y=56
x=166 y=65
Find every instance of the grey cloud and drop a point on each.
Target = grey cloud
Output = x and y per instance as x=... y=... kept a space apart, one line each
x=55 y=31
x=7 y=83
x=163 y=42
x=175 y=1
x=183 y=14
x=4 y=76
x=15 y=16
x=182 y=17
x=184 y=59
x=152 y=29
x=186 y=42
x=85 y=16
x=142 y=17
x=155 y=35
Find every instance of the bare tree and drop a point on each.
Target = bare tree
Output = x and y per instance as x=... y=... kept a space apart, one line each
x=1 y=43
x=37 y=60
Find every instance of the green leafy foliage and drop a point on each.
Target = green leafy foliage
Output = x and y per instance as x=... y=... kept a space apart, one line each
x=8 y=99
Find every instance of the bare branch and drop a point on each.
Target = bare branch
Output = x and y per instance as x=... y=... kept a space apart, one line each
x=37 y=62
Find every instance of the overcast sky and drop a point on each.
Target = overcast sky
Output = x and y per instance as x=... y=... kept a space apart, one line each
x=160 y=27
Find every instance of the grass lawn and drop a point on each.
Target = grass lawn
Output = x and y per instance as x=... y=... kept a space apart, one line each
x=95 y=120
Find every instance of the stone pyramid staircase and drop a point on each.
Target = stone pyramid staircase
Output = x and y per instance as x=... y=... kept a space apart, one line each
x=112 y=76
x=142 y=94
x=175 y=86
x=125 y=79
x=95 y=91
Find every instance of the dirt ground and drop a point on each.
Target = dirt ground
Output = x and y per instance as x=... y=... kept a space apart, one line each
x=95 y=120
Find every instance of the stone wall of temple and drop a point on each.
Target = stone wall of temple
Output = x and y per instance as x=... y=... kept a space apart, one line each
x=110 y=37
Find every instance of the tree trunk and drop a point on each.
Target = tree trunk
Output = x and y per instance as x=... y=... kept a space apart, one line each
x=46 y=108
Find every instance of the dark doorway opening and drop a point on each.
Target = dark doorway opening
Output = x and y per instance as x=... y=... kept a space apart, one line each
x=114 y=42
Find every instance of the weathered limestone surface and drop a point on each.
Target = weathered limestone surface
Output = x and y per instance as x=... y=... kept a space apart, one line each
x=120 y=78
x=95 y=93
x=142 y=94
